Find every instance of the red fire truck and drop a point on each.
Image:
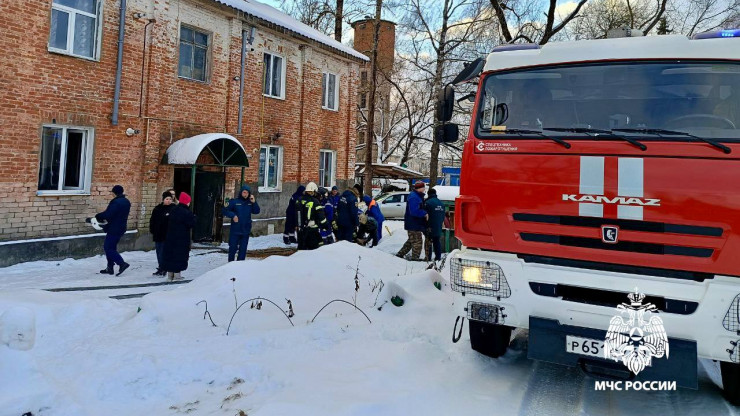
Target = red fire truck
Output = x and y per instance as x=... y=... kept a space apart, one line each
x=592 y=170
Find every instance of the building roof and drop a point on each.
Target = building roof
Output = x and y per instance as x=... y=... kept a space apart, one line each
x=648 y=47
x=381 y=170
x=278 y=18
x=225 y=149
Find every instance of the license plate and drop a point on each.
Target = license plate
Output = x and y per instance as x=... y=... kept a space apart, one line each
x=584 y=346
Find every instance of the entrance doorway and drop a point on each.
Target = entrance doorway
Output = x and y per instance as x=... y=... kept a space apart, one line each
x=200 y=164
x=207 y=201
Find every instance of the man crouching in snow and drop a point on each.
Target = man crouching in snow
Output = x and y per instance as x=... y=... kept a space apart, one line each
x=116 y=218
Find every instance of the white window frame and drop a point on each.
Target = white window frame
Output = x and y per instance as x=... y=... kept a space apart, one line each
x=209 y=43
x=263 y=180
x=281 y=95
x=325 y=76
x=333 y=175
x=85 y=169
x=71 y=30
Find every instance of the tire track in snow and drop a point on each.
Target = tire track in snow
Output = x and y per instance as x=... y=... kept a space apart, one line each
x=553 y=389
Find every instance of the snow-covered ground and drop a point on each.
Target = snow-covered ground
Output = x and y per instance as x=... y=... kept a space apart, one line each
x=97 y=356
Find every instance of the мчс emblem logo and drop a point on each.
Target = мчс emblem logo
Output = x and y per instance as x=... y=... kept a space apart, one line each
x=610 y=234
x=639 y=338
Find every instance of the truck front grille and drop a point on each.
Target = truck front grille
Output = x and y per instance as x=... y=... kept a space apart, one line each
x=558 y=234
x=631 y=246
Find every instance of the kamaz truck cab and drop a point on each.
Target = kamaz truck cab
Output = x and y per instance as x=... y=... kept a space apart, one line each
x=602 y=177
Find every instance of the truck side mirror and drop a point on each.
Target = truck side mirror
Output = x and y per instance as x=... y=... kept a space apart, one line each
x=447 y=133
x=445 y=103
x=500 y=114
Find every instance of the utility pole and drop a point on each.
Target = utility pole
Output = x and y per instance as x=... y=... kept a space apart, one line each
x=368 y=179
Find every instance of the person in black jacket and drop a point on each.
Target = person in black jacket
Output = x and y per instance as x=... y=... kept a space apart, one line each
x=290 y=212
x=347 y=215
x=436 y=211
x=176 y=252
x=116 y=218
x=158 y=228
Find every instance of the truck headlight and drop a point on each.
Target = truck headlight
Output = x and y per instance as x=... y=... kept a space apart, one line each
x=482 y=312
x=479 y=277
x=471 y=275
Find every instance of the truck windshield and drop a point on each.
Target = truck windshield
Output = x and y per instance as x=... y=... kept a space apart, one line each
x=700 y=98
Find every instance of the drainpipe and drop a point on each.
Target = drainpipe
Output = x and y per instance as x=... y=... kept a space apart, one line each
x=119 y=65
x=241 y=75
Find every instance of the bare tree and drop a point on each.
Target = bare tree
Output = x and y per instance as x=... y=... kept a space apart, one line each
x=338 y=16
x=529 y=26
x=318 y=14
x=410 y=121
x=694 y=16
x=326 y=16
x=435 y=36
x=601 y=16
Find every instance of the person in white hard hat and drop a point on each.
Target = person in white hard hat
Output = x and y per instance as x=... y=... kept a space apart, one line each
x=311 y=217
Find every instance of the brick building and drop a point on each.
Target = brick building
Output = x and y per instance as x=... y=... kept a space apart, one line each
x=69 y=134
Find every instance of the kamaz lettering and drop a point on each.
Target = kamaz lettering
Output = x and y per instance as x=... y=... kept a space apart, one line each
x=620 y=200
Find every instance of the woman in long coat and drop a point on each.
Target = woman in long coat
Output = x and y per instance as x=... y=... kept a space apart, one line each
x=177 y=243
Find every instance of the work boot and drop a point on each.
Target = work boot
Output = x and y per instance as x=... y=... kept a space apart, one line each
x=122 y=268
x=107 y=270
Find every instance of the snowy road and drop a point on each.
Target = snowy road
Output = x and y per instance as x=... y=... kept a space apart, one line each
x=94 y=355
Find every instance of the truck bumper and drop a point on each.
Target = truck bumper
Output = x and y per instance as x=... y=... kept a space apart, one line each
x=708 y=314
x=547 y=339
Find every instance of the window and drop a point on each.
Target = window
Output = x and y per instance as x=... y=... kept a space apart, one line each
x=329 y=91
x=393 y=199
x=363 y=100
x=326 y=168
x=274 y=73
x=361 y=136
x=270 y=170
x=193 y=54
x=66 y=160
x=363 y=78
x=686 y=97
x=75 y=28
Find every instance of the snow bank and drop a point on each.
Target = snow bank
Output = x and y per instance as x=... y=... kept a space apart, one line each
x=96 y=356
x=18 y=328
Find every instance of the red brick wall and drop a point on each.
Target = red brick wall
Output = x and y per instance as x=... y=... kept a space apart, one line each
x=39 y=87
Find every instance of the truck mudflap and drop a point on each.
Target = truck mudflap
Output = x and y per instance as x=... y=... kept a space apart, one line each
x=547 y=342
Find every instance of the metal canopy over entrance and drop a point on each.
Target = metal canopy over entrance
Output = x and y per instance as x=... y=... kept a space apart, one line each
x=223 y=148
x=200 y=166
x=388 y=171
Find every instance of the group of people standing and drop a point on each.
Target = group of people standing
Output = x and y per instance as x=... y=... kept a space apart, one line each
x=170 y=226
x=316 y=216
x=423 y=218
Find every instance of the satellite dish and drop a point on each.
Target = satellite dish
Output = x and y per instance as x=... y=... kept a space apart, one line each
x=470 y=71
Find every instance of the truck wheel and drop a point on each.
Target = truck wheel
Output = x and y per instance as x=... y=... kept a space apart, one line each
x=489 y=339
x=731 y=381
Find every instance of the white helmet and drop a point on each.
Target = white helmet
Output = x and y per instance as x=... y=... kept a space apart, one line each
x=311 y=187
